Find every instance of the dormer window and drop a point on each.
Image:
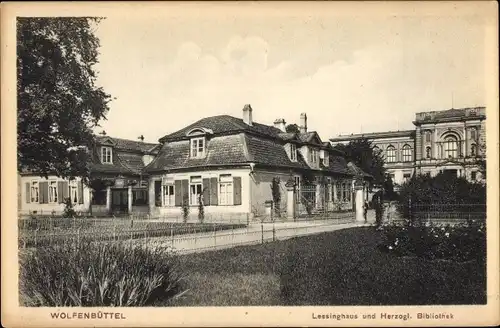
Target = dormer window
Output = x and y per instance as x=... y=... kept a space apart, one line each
x=106 y=155
x=198 y=147
x=313 y=156
x=293 y=152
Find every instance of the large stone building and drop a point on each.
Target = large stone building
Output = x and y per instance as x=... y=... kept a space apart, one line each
x=450 y=140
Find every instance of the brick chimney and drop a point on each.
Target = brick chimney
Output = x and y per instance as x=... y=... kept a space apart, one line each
x=303 y=123
x=280 y=124
x=247 y=114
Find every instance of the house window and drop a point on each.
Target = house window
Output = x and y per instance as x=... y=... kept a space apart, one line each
x=406 y=153
x=428 y=152
x=293 y=152
x=198 y=147
x=226 y=189
x=34 y=192
x=106 y=155
x=427 y=136
x=313 y=156
x=53 y=192
x=473 y=176
x=391 y=154
x=140 y=197
x=195 y=190
x=73 y=192
x=325 y=159
x=168 y=195
x=406 y=177
x=450 y=147
x=473 y=134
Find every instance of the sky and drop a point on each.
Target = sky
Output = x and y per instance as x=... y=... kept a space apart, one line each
x=349 y=73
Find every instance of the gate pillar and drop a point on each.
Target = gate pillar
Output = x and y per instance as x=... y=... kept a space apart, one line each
x=290 y=199
x=359 y=200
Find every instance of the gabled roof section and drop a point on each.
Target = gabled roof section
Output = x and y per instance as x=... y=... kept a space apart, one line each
x=223 y=124
x=311 y=137
x=357 y=171
x=126 y=145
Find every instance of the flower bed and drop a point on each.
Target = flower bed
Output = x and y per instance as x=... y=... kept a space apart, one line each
x=459 y=243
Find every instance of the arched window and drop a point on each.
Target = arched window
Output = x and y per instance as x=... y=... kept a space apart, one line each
x=450 y=147
x=391 y=154
x=407 y=153
x=428 y=152
x=473 y=150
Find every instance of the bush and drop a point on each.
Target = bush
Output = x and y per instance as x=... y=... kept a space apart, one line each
x=458 y=243
x=185 y=210
x=98 y=274
x=69 y=212
x=457 y=194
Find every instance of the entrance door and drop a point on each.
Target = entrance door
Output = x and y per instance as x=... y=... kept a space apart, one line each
x=119 y=200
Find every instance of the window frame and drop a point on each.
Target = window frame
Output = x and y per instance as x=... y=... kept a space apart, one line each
x=473 y=134
x=106 y=150
x=194 y=146
x=390 y=154
x=194 y=201
x=428 y=136
x=73 y=186
x=451 y=147
x=52 y=184
x=166 y=195
x=32 y=188
x=407 y=153
x=226 y=198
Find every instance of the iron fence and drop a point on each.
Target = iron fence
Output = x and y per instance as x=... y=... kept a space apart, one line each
x=183 y=237
x=437 y=213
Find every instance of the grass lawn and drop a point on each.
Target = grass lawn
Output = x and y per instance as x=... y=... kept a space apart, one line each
x=344 y=267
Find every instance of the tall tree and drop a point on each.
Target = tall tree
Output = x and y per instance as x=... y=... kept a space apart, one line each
x=58 y=101
x=362 y=153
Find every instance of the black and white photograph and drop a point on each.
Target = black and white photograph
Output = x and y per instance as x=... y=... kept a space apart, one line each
x=321 y=161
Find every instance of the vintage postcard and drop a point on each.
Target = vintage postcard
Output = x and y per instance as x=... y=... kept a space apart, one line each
x=250 y=164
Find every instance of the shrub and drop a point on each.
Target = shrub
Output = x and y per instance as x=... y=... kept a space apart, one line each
x=98 y=274
x=276 y=193
x=201 y=209
x=185 y=210
x=456 y=194
x=68 y=209
x=458 y=243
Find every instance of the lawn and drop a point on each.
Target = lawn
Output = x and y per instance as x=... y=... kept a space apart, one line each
x=344 y=267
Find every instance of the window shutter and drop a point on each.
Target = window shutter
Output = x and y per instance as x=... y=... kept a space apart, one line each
x=213 y=192
x=65 y=194
x=185 y=191
x=28 y=192
x=44 y=192
x=237 y=190
x=60 y=192
x=80 y=192
x=206 y=191
x=178 y=193
x=158 y=193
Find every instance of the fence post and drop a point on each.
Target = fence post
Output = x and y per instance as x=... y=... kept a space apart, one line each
x=215 y=235
x=172 y=234
x=78 y=236
x=274 y=233
x=262 y=232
